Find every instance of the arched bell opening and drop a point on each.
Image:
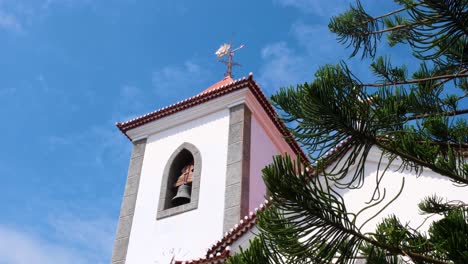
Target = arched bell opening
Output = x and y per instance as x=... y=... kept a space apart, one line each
x=180 y=182
x=179 y=186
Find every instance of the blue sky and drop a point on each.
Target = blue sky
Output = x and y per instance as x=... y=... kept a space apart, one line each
x=70 y=69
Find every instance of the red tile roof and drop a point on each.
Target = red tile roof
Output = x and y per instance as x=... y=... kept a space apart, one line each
x=219 y=257
x=220 y=250
x=223 y=87
x=227 y=80
x=244 y=225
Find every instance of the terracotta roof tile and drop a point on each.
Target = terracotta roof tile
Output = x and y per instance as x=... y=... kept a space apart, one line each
x=244 y=225
x=227 y=80
x=219 y=89
x=219 y=257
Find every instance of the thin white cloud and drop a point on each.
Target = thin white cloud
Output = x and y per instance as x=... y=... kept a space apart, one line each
x=20 y=247
x=192 y=67
x=104 y=141
x=10 y=22
x=129 y=91
x=318 y=41
x=179 y=80
x=48 y=3
x=110 y=146
x=18 y=16
x=7 y=91
x=317 y=7
x=71 y=239
x=95 y=235
x=282 y=67
x=287 y=64
x=130 y=102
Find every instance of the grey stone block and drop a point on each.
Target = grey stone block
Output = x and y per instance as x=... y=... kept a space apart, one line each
x=128 y=205
x=177 y=210
x=236 y=197
x=131 y=187
x=195 y=193
x=233 y=171
x=232 y=196
x=127 y=209
x=236 y=133
x=161 y=203
x=234 y=153
x=120 y=249
x=190 y=206
x=162 y=214
x=124 y=227
x=138 y=148
x=236 y=114
x=135 y=166
x=231 y=217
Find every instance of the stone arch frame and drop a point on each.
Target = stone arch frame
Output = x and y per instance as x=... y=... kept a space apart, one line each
x=163 y=210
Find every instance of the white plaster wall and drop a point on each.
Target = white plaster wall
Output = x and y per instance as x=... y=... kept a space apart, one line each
x=190 y=233
x=262 y=150
x=405 y=206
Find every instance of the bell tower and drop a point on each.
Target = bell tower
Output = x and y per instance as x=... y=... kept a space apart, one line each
x=195 y=171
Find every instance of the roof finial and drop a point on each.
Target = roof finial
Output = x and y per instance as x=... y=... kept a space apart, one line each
x=224 y=50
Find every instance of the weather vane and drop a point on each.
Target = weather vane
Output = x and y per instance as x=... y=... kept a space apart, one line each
x=226 y=50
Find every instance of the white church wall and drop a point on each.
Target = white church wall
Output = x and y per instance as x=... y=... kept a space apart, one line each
x=186 y=235
x=405 y=207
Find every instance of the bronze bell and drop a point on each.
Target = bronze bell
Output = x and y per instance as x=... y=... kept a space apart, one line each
x=183 y=194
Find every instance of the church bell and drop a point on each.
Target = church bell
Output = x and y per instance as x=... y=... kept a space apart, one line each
x=183 y=194
x=182 y=184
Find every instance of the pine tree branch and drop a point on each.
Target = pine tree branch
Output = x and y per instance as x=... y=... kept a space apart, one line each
x=389 y=29
x=449 y=79
x=428 y=165
x=387 y=15
x=462 y=96
x=391 y=249
x=460 y=24
x=390 y=13
x=447 y=76
x=378 y=32
x=442 y=144
x=448 y=113
x=394 y=250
